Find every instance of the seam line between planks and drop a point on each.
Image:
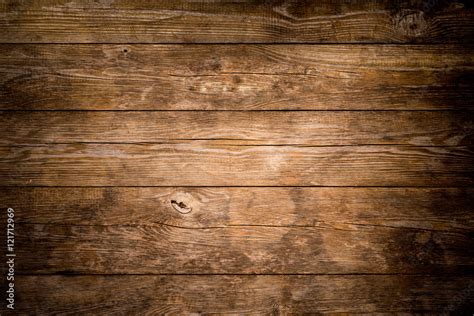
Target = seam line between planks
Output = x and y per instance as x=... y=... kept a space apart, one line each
x=176 y=141
x=237 y=226
x=241 y=274
x=236 y=186
x=270 y=110
x=274 y=43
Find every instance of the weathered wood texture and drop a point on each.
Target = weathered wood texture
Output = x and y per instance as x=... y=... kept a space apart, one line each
x=244 y=295
x=196 y=163
x=250 y=128
x=210 y=203
x=242 y=230
x=340 y=21
x=320 y=249
x=444 y=209
x=236 y=77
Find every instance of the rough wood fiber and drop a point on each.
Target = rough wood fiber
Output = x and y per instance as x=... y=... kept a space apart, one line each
x=340 y=21
x=352 y=250
x=236 y=77
x=197 y=163
x=158 y=249
x=250 y=128
x=248 y=295
x=443 y=209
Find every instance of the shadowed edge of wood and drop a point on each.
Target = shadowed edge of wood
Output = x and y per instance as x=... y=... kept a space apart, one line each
x=245 y=294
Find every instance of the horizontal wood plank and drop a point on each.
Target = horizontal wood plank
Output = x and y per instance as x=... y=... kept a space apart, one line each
x=250 y=128
x=236 y=77
x=197 y=163
x=444 y=209
x=186 y=21
x=244 y=295
x=206 y=204
x=239 y=249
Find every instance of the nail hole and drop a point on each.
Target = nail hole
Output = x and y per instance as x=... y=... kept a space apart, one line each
x=125 y=50
x=180 y=207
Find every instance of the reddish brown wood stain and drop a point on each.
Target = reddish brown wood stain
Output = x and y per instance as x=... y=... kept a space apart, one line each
x=239 y=157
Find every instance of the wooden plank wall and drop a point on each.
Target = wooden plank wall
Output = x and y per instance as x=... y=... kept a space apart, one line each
x=238 y=157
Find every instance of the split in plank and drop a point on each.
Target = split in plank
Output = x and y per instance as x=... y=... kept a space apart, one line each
x=236 y=77
x=159 y=248
x=440 y=128
x=198 y=163
x=443 y=209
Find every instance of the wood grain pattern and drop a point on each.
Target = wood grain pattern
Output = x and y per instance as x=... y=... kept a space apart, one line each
x=250 y=128
x=242 y=230
x=444 y=209
x=238 y=157
x=185 y=21
x=244 y=295
x=197 y=163
x=158 y=249
x=236 y=77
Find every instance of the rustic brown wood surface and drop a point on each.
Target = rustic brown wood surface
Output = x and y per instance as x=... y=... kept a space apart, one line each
x=188 y=21
x=236 y=77
x=240 y=230
x=444 y=128
x=417 y=208
x=245 y=294
x=343 y=248
x=238 y=157
x=197 y=163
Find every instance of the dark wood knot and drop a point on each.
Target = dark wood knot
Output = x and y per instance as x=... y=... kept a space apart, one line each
x=411 y=23
x=181 y=207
